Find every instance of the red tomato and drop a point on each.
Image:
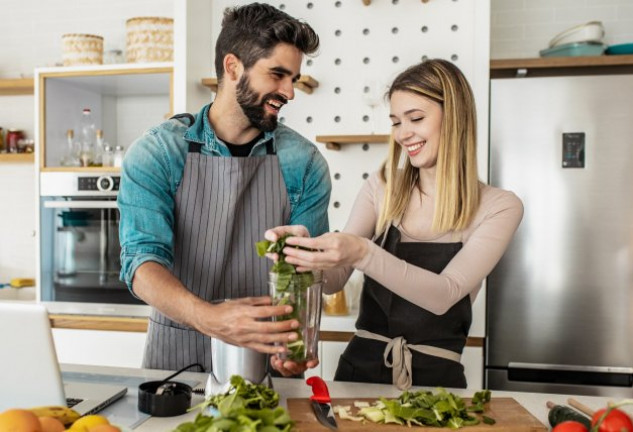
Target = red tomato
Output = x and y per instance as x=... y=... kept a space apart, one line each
x=570 y=426
x=616 y=421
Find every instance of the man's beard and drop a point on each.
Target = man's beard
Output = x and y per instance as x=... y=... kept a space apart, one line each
x=255 y=112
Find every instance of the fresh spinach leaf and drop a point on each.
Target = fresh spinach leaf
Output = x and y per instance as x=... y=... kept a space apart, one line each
x=425 y=408
x=244 y=407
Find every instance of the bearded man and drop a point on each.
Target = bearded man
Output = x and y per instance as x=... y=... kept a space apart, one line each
x=198 y=191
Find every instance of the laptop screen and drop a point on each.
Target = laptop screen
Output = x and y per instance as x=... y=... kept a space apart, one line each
x=29 y=370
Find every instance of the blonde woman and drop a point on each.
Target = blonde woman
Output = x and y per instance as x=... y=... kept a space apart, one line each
x=424 y=231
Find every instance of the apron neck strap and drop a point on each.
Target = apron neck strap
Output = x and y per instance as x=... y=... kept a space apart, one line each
x=195 y=147
x=270 y=149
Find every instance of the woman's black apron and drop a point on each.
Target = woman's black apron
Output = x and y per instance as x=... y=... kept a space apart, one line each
x=394 y=335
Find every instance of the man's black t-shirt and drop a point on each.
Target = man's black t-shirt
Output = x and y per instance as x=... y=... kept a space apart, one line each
x=243 y=150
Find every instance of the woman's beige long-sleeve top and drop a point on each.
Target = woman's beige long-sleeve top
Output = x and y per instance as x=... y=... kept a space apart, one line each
x=484 y=242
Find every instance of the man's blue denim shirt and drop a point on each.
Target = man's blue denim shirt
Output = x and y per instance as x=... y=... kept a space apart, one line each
x=153 y=168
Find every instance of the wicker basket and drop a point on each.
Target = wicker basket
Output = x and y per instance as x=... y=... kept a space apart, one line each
x=149 y=39
x=81 y=49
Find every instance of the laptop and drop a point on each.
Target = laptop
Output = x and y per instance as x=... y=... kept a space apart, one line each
x=29 y=370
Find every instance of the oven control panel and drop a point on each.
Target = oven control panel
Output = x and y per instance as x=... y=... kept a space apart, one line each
x=104 y=183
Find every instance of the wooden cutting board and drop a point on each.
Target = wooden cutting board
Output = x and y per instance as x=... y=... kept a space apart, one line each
x=509 y=414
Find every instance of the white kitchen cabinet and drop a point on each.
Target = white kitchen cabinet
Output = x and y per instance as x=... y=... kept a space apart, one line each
x=330 y=353
x=473 y=361
x=100 y=348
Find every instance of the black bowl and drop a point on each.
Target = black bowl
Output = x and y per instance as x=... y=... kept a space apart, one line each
x=164 y=399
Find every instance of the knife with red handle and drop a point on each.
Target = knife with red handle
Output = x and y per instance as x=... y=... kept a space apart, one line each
x=321 y=402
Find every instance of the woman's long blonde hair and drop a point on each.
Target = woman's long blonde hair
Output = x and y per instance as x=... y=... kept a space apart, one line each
x=457 y=182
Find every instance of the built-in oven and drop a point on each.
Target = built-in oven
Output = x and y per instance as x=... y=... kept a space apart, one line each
x=79 y=243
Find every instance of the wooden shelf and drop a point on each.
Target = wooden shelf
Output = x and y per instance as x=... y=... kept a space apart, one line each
x=305 y=83
x=334 y=142
x=16 y=86
x=17 y=157
x=559 y=66
x=87 y=322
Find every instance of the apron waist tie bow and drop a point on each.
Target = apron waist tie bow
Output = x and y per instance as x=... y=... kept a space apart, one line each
x=401 y=356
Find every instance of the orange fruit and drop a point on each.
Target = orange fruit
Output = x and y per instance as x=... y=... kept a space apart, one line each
x=51 y=424
x=19 y=420
x=104 y=428
x=83 y=424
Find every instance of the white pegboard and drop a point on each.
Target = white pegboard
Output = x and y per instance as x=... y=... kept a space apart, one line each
x=362 y=49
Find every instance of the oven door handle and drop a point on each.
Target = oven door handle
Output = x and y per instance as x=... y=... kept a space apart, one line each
x=81 y=204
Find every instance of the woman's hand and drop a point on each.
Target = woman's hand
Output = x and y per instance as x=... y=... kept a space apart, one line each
x=327 y=251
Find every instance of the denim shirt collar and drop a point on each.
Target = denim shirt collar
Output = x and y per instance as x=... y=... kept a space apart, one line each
x=202 y=132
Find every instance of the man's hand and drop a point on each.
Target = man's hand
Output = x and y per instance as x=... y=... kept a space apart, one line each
x=289 y=368
x=276 y=233
x=247 y=322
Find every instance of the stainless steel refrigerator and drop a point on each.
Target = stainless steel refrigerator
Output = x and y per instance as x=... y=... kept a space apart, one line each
x=560 y=302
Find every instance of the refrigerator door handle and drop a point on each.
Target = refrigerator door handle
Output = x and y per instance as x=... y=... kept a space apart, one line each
x=571 y=374
x=571 y=368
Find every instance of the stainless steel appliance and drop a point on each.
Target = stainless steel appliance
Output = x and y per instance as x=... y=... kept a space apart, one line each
x=560 y=302
x=79 y=241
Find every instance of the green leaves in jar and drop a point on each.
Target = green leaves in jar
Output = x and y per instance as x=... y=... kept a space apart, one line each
x=288 y=287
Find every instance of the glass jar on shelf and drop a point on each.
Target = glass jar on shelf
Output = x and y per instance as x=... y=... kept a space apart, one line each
x=13 y=136
x=71 y=154
x=107 y=158
x=119 y=153
x=26 y=145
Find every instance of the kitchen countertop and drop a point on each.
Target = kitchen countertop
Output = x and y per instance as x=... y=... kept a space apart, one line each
x=288 y=388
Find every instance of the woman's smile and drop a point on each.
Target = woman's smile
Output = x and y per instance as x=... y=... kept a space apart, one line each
x=414 y=149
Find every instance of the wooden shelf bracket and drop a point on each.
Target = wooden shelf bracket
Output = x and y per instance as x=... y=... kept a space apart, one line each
x=333 y=142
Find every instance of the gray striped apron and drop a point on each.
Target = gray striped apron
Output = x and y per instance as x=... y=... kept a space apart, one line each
x=222 y=208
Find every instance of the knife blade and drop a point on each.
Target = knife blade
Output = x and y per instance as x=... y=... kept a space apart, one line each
x=321 y=402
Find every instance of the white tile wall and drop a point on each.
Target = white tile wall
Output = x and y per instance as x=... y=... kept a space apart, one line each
x=30 y=37
x=520 y=28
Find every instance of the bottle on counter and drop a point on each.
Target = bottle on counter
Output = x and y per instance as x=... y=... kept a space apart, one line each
x=71 y=154
x=87 y=138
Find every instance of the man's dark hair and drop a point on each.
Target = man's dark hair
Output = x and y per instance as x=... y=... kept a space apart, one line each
x=251 y=32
